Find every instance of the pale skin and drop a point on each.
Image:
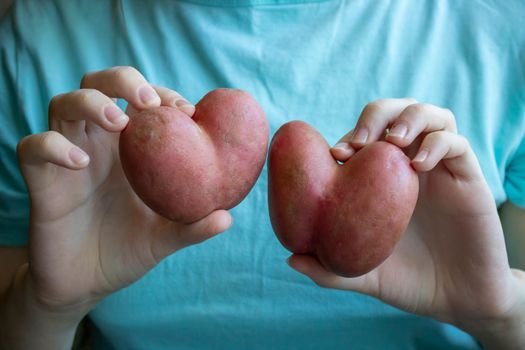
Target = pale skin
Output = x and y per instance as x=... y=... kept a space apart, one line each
x=90 y=235
x=450 y=265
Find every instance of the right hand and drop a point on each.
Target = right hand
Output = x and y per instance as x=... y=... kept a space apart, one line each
x=90 y=234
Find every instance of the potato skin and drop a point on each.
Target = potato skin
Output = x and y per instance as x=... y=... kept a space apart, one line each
x=349 y=216
x=184 y=168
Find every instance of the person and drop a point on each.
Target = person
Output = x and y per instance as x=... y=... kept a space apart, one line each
x=445 y=78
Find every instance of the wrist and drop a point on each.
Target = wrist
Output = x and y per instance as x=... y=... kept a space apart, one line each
x=505 y=330
x=28 y=323
x=34 y=299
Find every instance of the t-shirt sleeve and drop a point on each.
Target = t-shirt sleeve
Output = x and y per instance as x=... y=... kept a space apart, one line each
x=14 y=203
x=515 y=176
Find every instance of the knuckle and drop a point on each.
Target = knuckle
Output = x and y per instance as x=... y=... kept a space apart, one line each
x=374 y=107
x=83 y=96
x=450 y=118
x=372 y=113
x=46 y=139
x=418 y=108
x=448 y=113
x=53 y=105
x=85 y=79
x=21 y=147
x=463 y=141
x=385 y=101
x=123 y=73
x=436 y=137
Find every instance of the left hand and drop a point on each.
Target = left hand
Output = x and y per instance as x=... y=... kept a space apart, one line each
x=451 y=263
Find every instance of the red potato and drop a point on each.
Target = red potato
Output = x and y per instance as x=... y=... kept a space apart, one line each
x=351 y=215
x=184 y=168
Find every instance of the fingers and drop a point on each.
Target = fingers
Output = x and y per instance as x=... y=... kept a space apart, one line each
x=419 y=118
x=370 y=127
x=342 y=151
x=407 y=122
x=50 y=147
x=36 y=152
x=216 y=222
x=453 y=149
x=374 y=119
x=170 y=98
x=437 y=126
x=123 y=82
x=95 y=103
x=179 y=236
x=174 y=99
x=311 y=267
x=68 y=113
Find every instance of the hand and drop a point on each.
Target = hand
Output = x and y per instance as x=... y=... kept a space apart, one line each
x=90 y=235
x=451 y=264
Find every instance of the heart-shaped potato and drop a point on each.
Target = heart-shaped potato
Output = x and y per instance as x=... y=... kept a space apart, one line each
x=351 y=215
x=184 y=168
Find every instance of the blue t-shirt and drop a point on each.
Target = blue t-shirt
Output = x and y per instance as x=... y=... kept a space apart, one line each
x=319 y=61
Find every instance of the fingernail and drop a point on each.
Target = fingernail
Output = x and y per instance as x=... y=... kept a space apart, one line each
x=399 y=130
x=78 y=156
x=115 y=114
x=181 y=102
x=342 y=146
x=421 y=156
x=360 y=135
x=148 y=95
x=185 y=106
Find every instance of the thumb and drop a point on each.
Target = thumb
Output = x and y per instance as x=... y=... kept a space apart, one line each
x=178 y=236
x=207 y=227
x=311 y=267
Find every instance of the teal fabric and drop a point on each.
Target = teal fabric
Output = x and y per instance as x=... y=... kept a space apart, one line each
x=319 y=61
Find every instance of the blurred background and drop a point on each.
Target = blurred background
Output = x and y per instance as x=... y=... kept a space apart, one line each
x=4 y=5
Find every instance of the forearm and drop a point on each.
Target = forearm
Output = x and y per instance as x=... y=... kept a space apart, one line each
x=27 y=324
